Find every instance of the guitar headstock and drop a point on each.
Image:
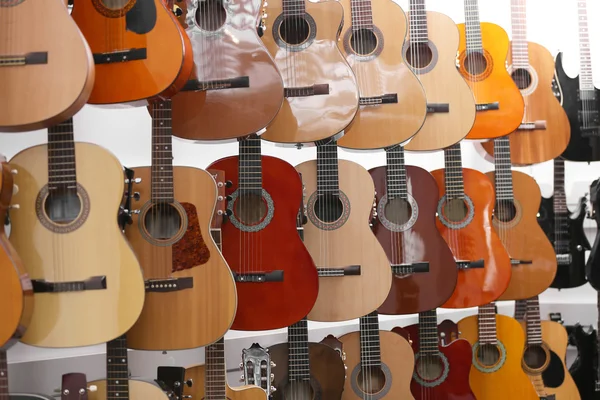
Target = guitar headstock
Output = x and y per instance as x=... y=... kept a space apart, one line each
x=125 y=211
x=335 y=344
x=448 y=331
x=256 y=366
x=172 y=381
x=221 y=207
x=74 y=387
x=594 y=200
x=556 y=89
x=302 y=217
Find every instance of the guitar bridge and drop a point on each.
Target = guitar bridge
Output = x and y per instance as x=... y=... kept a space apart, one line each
x=464 y=265
x=39 y=57
x=93 y=283
x=487 y=106
x=259 y=277
x=414 y=268
x=438 y=108
x=533 y=126
x=169 y=284
x=220 y=84
x=352 y=270
x=515 y=262
x=391 y=98
x=307 y=91
x=120 y=56
x=564 y=260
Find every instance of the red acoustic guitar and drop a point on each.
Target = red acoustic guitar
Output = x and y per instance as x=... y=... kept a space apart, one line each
x=277 y=282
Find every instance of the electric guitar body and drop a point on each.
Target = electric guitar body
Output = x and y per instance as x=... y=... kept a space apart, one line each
x=584 y=369
x=198 y=375
x=592 y=267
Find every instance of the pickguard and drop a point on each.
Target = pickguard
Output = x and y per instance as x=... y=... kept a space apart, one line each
x=141 y=19
x=554 y=375
x=191 y=249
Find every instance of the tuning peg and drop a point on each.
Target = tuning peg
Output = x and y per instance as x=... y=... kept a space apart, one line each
x=14 y=206
x=241 y=364
x=219 y=198
x=189 y=383
x=93 y=388
x=242 y=378
x=177 y=11
x=14 y=171
x=15 y=189
x=272 y=378
x=135 y=211
x=228 y=198
x=273 y=365
x=220 y=184
x=135 y=196
x=273 y=389
x=228 y=184
x=228 y=212
x=219 y=212
x=134 y=180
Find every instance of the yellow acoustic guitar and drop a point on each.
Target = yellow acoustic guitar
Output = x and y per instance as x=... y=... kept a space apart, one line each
x=83 y=272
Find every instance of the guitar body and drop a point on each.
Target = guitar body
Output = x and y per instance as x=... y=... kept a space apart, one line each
x=29 y=396
x=382 y=125
x=140 y=25
x=584 y=369
x=470 y=236
x=580 y=147
x=397 y=359
x=345 y=242
x=38 y=95
x=138 y=390
x=268 y=246
x=441 y=129
x=198 y=375
x=489 y=377
x=327 y=373
x=405 y=244
x=311 y=118
x=199 y=315
x=538 y=145
x=448 y=378
x=90 y=246
x=490 y=82
x=226 y=46
x=524 y=240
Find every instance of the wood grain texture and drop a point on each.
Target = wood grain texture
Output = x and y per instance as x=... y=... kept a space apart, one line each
x=497 y=86
x=138 y=390
x=524 y=239
x=311 y=118
x=97 y=248
x=232 y=51
x=138 y=79
x=494 y=386
x=193 y=317
x=354 y=243
x=378 y=126
x=198 y=374
x=422 y=242
x=474 y=242
x=396 y=353
x=444 y=84
x=39 y=96
x=536 y=146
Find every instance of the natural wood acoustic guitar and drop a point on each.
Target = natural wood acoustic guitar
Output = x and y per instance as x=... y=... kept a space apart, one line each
x=139 y=49
x=482 y=62
x=354 y=273
x=321 y=96
x=235 y=88
x=544 y=131
x=423 y=267
x=82 y=269
x=430 y=50
x=46 y=66
x=171 y=236
x=392 y=100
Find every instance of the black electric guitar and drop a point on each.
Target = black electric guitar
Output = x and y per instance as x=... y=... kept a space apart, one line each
x=592 y=268
x=584 y=369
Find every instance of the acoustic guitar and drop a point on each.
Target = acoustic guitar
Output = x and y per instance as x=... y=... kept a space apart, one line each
x=82 y=269
x=482 y=62
x=380 y=363
x=276 y=279
x=592 y=267
x=139 y=49
x=235 y=88
x=545 y=355
x=585 y=370
x=46 y=66
x=464 y=218
x=354 y=273
x=580 y=98
x=423 y=267
x=544 y=131
x=430 y=50
x=321 y=96
x=171 y=235
x=518 y=199
x=566 y=233
x=392 y=101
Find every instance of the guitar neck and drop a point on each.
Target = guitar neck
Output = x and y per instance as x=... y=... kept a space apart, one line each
x=473 y=26
x=453 y=172
x=487 y=324
x=534 y=325
x=362 y=14
x=162 y=153
x=327 y=169
x=418 y=22
x=520 y=50
x=298 y=363
x=559 y=205
x=117 y=369
x=215 y=379
x=428 y=333
x=250 y=165
x=3 y=376
x=62 y=172
x=503 y=171
x=586 y=82
x=395 y=173
x=370 y=348
x=294 y=8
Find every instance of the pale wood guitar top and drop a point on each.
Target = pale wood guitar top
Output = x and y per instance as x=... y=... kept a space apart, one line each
x=138 y=390
x=197 y=374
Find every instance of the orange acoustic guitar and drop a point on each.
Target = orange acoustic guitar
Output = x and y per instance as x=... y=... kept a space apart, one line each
x=482 y=59
x=139 y=49
x=544 y=131
x=465 y=221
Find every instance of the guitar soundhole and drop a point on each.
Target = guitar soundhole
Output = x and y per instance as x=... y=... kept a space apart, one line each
x=398 y=211
x=419 y=55
x=430 y=367
x=294 y=30
x=299 y=390
x=210 y=15
x=115 y=4
x=535 y=357
x=488 y=355
x=522 y=78
x=475 y=63
x=250 y=209
x=162 y=221
x=328 y=208
x=63 y=206
x=363 y=42
x=455 y=210
x=505 y=210
x=371 y=380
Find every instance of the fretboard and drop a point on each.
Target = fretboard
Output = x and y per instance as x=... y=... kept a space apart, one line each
x=585 y=56
x=503 y=173
x=3 y=376
x=362 y=14
x=327 y=169
x=162 y=153
x=453 y=172
x=428 y=332
x=418 y=22
x=215 y=380
x=473 y=26
x=250 y=165
x=487 y=324
x=298 y=364
x=117 y=369
x=293 y=7
x=396 y=173
x=520 y=49
x=62 y=174
x=370 y=353
x=534 y=326
x=559 y=205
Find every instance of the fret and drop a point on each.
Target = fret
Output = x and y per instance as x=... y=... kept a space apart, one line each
x=418 y=22
x=250 y=165
x=487 y=324
x=534 y=326
x=215 y=379
x=396 y=173
x=370 y=349
x=162 y=153
x=327 y=169
x=428 y=332
x=3 y=375
x=559 y=205
x=520 y=47
x=503 y=170
x=361 y=14
x=453 y=172
x=117 y=368
x=62 y=174
x=298 y=363
x=473 y=26
x=585 y=56
x=294 y=8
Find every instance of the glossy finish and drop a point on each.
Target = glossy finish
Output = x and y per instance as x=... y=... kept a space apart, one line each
x=163 y=69
x=524 y=240
x=230 y=51
x=422 y=242
x=138 y=390
x=584 y=369
x=474 y=242
x=383 y=125
x=197 y=390
x=592 y=267
x=311 y=118
x=494 y=85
